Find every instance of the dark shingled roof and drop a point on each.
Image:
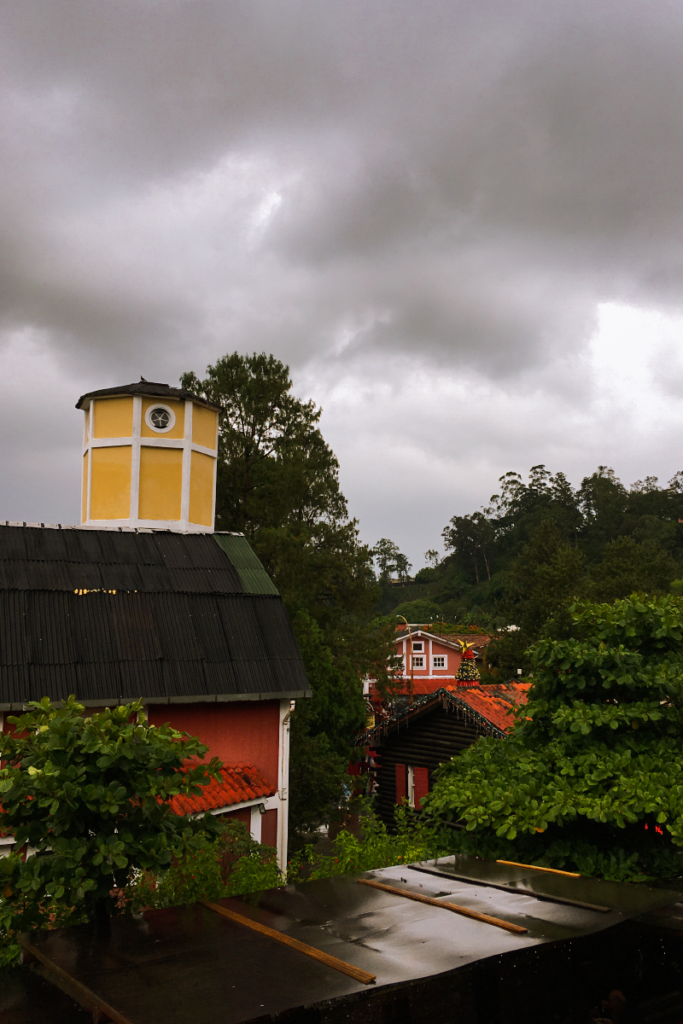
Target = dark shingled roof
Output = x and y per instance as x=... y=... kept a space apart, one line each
x=147 y=388
x=119 y=614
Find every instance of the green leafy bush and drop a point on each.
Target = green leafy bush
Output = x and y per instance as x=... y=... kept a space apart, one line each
x=417 y=837
x=91 y=796
x=229 y=865
x=592 y=776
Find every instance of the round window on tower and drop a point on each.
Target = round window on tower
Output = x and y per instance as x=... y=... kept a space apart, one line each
x=160 y=418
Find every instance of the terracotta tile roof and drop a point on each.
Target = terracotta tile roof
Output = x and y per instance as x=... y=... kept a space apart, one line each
x=239 y=783
x=491 y=705
x=424 y=686
x=494 y=703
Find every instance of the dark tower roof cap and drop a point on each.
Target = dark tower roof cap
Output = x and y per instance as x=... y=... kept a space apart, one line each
x=147 y=388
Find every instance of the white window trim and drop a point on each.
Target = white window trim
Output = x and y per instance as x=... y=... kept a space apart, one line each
x=166 y=408
x=422 y=660
x=418 y=647
x=439 y=668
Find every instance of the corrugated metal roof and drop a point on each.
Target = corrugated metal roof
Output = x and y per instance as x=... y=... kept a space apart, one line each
x=108 y=614
x=238 y=784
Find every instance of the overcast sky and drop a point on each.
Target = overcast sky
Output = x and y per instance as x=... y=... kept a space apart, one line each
x=459 y=223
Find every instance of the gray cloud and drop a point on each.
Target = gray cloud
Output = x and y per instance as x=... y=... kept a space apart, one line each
x=404 y=201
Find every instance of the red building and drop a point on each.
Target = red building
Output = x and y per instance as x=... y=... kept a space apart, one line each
x=407 y=744
x=430 y=660
x=185 y=619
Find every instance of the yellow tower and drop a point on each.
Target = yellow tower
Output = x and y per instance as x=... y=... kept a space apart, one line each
x=149 y=458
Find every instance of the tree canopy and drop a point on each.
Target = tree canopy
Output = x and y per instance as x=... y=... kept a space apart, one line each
x=274 y=468
x=93 y=792
x=390 y=560
x=541 y=543
x=278 y=483
x=591 y=777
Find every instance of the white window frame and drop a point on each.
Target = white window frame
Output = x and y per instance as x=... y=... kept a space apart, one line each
x=171 y=420
x=421 y=659
x=410 y=786
x=418 y=646
x=440 y=668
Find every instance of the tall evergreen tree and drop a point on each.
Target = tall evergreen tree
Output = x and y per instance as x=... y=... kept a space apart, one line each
x=278 y=483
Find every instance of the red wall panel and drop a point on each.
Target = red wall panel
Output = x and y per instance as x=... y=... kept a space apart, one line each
x=244 y=815
x=236 y=732
x=269 y=828
x=421 y=776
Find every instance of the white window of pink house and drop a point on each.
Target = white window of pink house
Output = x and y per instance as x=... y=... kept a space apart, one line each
x=418 y=661
x=440 y=661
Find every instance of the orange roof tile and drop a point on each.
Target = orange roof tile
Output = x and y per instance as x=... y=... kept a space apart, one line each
x=494 y=703
x=239 y=783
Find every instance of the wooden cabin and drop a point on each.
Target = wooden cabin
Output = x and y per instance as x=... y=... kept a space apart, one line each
x=405 y=748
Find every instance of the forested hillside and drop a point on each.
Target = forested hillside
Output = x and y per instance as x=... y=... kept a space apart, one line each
x=538 y=544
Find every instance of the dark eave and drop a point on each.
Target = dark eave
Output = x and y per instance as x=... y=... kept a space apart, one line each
x=148 y=389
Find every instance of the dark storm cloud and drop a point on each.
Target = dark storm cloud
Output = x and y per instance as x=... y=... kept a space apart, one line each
x=368 y=189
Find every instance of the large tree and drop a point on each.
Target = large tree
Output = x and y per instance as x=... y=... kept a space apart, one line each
x=274 y=468
x=591 y=778
x=89 y=796
x=278 y=483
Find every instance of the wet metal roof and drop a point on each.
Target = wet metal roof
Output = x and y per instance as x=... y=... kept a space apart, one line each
x=191 y=964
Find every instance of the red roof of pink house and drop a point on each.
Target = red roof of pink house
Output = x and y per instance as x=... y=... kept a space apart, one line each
x=238 y=784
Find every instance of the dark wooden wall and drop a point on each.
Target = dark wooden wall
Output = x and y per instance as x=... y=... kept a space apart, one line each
x=426 y=741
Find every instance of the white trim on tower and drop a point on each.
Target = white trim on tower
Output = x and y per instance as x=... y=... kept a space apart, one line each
x=187 y=464
x=91 y=428
x=135 y=458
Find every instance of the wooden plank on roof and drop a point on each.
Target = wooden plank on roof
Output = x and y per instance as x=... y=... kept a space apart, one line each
x=316 y=954
x=454 y=907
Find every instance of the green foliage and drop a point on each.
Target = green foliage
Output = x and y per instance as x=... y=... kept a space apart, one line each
x=319 y=781
x=274 y=466
x=545 y=577
x=90 y=795
x=228 y=864
x=429 y=574
x=337 y=698
x=543 y=539
x=594 y=757
x=422 y=610
x=416 y=837
x=322 y=731
x=278 y=483
x=627 y=566
x=390 y=561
